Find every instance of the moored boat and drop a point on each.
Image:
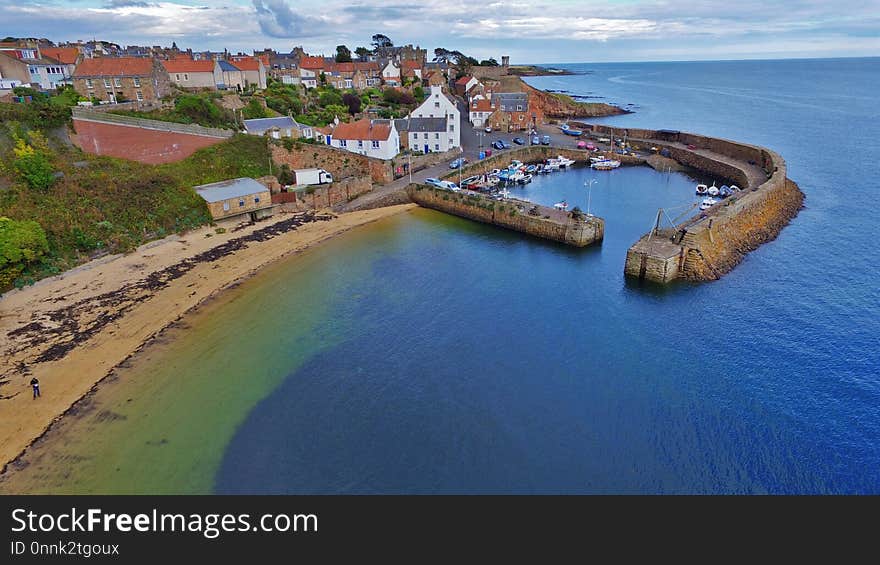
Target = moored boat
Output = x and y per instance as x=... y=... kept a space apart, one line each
x=563 y=205
x=707 y=203
x=713 y=190
x=605 y=165
x=702 y=190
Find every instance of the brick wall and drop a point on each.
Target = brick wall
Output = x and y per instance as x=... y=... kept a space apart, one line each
x=137 y=144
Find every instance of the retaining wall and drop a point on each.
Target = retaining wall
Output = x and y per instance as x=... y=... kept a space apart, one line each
x=548 y=224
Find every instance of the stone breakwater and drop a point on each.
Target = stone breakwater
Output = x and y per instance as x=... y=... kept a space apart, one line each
x=524 y=217
x=709 y=245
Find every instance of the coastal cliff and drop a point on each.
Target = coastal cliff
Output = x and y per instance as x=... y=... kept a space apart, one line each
x=560 y=106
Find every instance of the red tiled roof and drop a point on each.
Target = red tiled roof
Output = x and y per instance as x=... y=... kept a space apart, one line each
x=312 y=63
x=65 y=55
x=363 y=130
x=481 y=105
x=265 y=60
x=463 y=80
x=114 y=66
x=188 y=66
x=414 y=65
x=245 y=63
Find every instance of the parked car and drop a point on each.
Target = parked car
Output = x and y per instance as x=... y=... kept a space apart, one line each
x=501 y=144
x=488 y=129
x=536 y=140
x=461 y=161
x=434 y=182
x=691 y=146
x=519 y=141
x=545 y=140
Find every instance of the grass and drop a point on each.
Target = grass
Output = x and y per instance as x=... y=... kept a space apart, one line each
x=104 y=204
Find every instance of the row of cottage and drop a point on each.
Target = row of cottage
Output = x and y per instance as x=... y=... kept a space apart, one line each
x=148 y=78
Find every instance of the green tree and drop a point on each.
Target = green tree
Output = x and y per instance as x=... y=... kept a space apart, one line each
x=490 y=62
x=343 y=54
x=362 y=52
x=32 y=163
x=253 y=110
x=22 y=244
x=329 y=98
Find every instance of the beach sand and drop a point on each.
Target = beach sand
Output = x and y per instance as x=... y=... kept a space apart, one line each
x=71 y=330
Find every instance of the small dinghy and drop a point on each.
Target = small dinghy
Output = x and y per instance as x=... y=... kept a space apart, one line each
x=708 y=203
x=702 y=190
x=561 y=205
x=713 y=190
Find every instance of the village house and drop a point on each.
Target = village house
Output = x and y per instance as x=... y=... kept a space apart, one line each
x=187 y=73
x=373 y=138
x=391 y=74
x=411 y=69
x=230 y=76
x=27 y=63
x=480 y=108
x=514 y=111
x=435 y=78
x=253 y=71
x=276 y=128
x=439 y=105
x=464 y=84
x=115 y=79
x=242 y=199
x=426 y=135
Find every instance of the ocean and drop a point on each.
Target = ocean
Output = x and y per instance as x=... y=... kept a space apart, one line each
x=430 y=354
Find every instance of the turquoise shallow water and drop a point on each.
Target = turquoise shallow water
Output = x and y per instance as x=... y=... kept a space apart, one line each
x=479 y=361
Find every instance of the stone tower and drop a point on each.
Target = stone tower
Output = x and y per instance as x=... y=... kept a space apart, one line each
x=505 y=61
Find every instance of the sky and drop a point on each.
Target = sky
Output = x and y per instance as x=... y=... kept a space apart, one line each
x=530 y=31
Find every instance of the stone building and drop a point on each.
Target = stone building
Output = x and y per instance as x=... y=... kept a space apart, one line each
x=115 y=79
x=239 y=199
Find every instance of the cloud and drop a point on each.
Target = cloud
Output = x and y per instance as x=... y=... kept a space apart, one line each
x=276 y=19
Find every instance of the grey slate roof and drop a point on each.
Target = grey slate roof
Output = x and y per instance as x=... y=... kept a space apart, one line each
x=227 y=66
x=422 y=124
x=508 y=101
x=258 y=126
x=226 y=189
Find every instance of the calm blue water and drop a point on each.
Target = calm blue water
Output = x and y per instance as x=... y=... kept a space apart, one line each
x=475 y=360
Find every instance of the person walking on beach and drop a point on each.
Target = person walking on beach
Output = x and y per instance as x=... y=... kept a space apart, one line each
x=35 y=384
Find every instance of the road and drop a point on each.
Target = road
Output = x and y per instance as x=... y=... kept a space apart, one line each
x=473 y=140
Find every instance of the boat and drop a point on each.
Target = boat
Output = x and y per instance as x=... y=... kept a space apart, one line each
x=551 y=165
x=527 y=178
x=713 y=190
x=702 y=190
x=515 y=164
x=564 y=161
x=605 y=165
x=734 y=188
x=531 y=169
x=724 y=191
x=707 y=203
x=561 y=205
x=598 y=159
x=568 y=130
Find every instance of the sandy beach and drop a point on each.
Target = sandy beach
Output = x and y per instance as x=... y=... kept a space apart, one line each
x=71 y=330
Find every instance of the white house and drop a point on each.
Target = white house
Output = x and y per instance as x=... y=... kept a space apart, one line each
x=479 y=110
x=284 y=126
x=373 y=138
x=438 y=105
x=308 y=77
x=391 y=74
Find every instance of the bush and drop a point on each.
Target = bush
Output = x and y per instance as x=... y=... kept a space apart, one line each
x=33 y=165
x=253 y=110
x=22 y=244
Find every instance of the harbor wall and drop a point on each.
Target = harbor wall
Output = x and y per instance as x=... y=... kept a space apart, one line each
x=550 y=224
x=709 y=245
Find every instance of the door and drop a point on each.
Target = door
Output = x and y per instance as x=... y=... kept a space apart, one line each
x=426 y=149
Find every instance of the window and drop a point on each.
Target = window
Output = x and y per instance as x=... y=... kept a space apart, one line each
x=436 y=136
x=375 y=144
x=341 y=143
x=89 y=84
x=185 y=76
x=137 y=82
x=140 y=96
x=241 y=203
x=451 y=127
x=437 y=147
x=256 y=199
x=177 y=77
x=519 y=108
x=226 y=205
x=118 y=82
x=415 y=137
x=106 y=83
x=436 y=104
x=360 y=144
x=426 y=135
